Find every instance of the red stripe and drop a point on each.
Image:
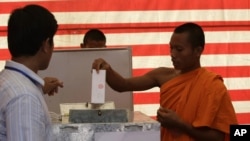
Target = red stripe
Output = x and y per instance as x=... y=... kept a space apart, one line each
x=121 y=5
x=243 y=118
x=65 y=29
x=150 y=50
x=154 y=97
x=139 y=72
x=227 y=48
x=163 y=49
x=210 y=48
x=4 y=54
x=240 y=95
x=231 y=71
x=146 y=98
x=157 y=26
x=225 y=72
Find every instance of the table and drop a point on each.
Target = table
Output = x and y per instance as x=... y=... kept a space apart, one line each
x=142 y=127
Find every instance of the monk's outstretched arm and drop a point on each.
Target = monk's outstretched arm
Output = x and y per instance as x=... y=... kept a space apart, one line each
x=121 y=84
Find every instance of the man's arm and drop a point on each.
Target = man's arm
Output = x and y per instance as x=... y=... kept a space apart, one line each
x=121 y=84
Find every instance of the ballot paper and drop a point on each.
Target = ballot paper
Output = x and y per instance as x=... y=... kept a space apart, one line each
x=98 y=86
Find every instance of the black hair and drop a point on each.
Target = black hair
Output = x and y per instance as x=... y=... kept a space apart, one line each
x=28 y=27
x=94 y=34
x=196 y=34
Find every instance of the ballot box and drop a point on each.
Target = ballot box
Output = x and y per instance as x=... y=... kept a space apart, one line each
x=141 y=128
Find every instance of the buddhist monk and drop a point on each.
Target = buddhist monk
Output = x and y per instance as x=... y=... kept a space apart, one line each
x=194 y=102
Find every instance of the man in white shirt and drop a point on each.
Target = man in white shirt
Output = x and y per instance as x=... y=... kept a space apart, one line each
x=23 y=112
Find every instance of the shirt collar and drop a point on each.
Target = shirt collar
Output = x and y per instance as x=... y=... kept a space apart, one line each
x=26 y=70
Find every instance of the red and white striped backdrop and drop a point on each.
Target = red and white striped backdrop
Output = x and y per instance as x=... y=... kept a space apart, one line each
x=146 y=26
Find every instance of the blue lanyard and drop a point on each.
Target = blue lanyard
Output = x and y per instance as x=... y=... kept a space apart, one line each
x=23 y=73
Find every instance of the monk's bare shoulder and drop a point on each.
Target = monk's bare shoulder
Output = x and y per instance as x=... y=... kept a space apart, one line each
x=162 y=74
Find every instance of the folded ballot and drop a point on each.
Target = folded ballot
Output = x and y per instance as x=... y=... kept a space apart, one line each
x=98 y=86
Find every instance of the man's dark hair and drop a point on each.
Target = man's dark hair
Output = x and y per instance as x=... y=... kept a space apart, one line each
x=195 y=32
x=94 y=34
x=28 y=27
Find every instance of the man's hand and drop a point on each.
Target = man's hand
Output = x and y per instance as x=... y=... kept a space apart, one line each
x=51 y=85
x=100 y=64
x=170 y=120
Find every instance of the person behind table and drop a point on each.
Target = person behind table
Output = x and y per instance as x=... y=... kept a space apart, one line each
x=94 y=38
x=24 y=114
x=194 y=103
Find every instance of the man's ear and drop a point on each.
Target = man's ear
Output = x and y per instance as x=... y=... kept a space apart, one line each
x=46 y=47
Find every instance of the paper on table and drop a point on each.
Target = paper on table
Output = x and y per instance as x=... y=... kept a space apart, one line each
x=98 y=86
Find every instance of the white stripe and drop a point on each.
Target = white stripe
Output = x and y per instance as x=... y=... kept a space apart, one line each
x=152 y=90
x=2 y=64
x=151 y=109
x=241 y=106
x=154 y=16
x=154 y=38
x=240 y=83
x=148 y=109
x=122 y=39
x=206 y=61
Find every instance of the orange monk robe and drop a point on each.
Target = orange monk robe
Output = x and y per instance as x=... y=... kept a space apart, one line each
x=199 y=98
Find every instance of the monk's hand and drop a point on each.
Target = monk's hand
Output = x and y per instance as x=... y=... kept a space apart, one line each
x=169 y=119
x=51 y=85
x=99 y=64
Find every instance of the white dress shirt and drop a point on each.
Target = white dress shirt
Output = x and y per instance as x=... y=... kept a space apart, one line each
x=24 y=114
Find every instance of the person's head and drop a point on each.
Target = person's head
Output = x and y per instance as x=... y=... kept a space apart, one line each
x=30 y=34
x=186 y=46
x=94 y=38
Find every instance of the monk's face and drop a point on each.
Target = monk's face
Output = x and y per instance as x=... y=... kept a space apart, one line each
x=184 y=56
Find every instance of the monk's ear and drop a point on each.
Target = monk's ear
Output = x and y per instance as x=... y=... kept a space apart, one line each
x=199 y=50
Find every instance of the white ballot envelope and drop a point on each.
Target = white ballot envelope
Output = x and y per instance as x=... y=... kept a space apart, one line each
x=98 y=86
